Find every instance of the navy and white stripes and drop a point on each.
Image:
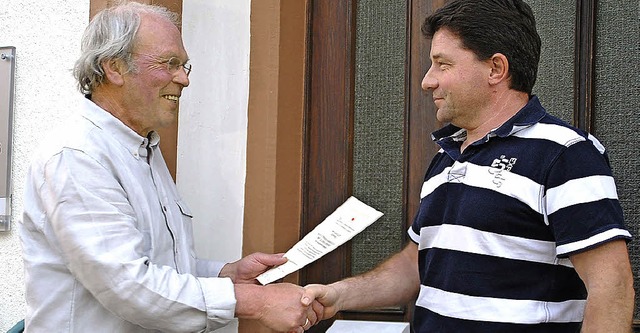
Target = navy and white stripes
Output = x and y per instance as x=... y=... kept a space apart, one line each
x=497 y=224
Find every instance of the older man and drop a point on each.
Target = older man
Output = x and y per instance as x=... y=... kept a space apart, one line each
x=107 y=240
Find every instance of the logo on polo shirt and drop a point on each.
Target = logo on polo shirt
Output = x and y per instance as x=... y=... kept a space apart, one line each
x=499 y=167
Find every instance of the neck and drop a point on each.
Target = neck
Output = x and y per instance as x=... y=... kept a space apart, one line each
x=505 y=105
x=108 y=101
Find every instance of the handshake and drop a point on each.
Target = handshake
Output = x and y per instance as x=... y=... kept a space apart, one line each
x=284 y=307
x=288 y=307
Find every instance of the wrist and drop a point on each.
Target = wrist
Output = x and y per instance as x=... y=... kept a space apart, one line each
x=250 y=301
x=340 y=289
x=228 y=271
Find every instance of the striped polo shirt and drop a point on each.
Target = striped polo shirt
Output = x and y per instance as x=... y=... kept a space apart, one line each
x=497 y=223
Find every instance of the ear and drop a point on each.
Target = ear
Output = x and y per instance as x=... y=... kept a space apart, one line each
x=499 y=68
x=114 y=70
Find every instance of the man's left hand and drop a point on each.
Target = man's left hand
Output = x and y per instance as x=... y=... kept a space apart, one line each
x=247 y=269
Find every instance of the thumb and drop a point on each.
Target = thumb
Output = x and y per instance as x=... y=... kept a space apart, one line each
x=312 y=292
x=270 y=259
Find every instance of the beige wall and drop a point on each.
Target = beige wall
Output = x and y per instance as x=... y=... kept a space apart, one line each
x=46 y=35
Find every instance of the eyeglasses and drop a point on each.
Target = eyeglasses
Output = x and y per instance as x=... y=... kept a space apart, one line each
x=172 y=64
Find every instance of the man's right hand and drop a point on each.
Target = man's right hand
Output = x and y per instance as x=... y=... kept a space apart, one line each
x=327 y=296
x=284 y=307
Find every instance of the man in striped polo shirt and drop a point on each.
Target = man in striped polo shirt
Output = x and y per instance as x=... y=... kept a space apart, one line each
x=519 y=227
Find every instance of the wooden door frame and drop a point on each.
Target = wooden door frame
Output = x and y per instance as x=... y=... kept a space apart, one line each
x=329 y=129
x=273 y=188
x=328 y=126
x=328 y=149
x=585 y=55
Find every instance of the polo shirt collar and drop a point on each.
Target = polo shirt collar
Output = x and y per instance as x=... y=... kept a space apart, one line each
x=529 y=115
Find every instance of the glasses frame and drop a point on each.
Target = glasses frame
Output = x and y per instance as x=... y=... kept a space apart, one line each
x=172 y=64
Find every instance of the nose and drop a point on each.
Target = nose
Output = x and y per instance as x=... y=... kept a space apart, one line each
x=428 y=81
x=181 y=77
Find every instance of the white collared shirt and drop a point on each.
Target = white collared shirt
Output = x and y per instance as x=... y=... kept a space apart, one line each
x=107 y=241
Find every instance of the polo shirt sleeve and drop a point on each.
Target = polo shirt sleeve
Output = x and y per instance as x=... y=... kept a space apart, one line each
x=581 y=200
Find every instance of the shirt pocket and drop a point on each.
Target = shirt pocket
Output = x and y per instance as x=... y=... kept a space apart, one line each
x=184 y=209
x=187 y=225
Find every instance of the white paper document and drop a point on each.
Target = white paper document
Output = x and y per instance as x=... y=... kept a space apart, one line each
x=344 y=223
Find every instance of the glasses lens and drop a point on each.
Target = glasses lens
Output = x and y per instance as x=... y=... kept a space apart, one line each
x=174 y=64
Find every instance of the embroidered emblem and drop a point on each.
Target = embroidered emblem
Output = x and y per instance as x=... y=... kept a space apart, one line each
x=499 y=167
x=457 y=172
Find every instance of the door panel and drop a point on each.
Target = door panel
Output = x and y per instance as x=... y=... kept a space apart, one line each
x=368 y=125
x=327 y=175
x=616 y=105
x=378 y=152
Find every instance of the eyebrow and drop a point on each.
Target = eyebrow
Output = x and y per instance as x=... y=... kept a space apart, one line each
x=176 y=57
x=439 y=56
x=168 y=56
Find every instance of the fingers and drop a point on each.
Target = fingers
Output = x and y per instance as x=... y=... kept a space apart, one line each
x=318 y=310
x=313 y=312
x=312 y=316
x=303 y=327
x=269 y=259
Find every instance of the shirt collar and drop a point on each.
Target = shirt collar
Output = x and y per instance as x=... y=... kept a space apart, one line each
x=132 y=141
x=529 y=115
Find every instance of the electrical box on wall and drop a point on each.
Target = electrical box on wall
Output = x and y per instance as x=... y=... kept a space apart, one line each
x=7 y=72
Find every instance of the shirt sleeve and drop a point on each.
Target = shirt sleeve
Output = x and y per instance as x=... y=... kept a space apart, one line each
x=94 y=226
x=581 y=200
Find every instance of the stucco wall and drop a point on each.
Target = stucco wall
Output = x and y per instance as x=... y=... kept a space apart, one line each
x=212 y=135
x=212 y=132
x=46 y=35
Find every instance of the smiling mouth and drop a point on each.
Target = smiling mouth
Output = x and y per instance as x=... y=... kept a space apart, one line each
x=173 y=98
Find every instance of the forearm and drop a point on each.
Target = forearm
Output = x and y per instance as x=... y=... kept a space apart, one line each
x=606 y=272
x=248 y=301
x=608 y=311
x=395 y=282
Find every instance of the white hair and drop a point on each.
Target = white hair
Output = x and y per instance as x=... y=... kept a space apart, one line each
x=111 y=35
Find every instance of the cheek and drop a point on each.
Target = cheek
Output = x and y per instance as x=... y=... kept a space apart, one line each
x=467 y=79
x=150 y=89
x=470 y=83
x=154 y=80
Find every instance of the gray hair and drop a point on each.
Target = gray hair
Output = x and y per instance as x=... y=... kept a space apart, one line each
x=111 y=35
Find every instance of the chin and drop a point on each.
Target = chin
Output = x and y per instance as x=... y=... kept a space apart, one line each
x=442 y=117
